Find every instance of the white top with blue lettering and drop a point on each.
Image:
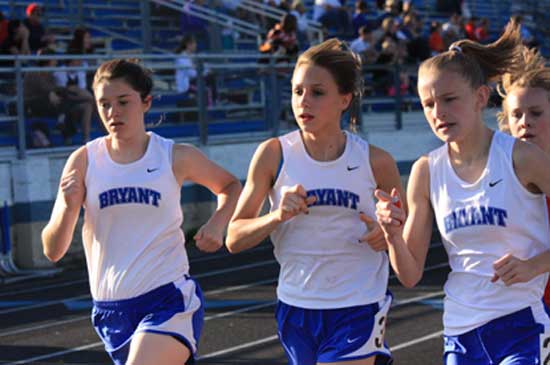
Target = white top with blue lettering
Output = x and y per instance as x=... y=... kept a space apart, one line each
x=131 y=234
x=323 y=264
x=480 y=223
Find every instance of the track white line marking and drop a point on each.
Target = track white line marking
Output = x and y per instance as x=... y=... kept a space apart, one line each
x=417 y=341
x=395 y=348
x=58 y=353
x=87 y=317
x=239 y=347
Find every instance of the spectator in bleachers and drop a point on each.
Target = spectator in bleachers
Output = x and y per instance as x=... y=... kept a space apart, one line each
x=332 y=14
x=416 y=43
x=3 y=28
x=470 y=28
x=16 y=43
x=43 y=98
x=298 y=10
x=281 y=39
x=363 y=45
x=17 y=40
x=435 y=40
x=187 y=74
x=452 y=30
x=388 y=55
x=81 y=44
x=407 y=7
x=38 y=36
x=66 y=78
x=391 y=10
x=380 y=4
x=361 y=17
x=393 y=37
x=482 y=31
x=383 y=30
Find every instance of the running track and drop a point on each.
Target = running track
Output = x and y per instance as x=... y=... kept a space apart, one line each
x=47 y=320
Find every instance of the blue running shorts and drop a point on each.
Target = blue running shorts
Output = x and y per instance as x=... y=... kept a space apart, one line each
x=310 y=336
x=518 y=338
x=175 y=309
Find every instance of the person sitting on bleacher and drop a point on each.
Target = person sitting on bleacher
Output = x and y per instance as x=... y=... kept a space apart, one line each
x=332 y=14
x=452 y=30
x=186 y=73
x=298 y=10
x=38 y=36
x=364 y=45
x=281 y=40
x=43 y=98
x=75 y=83
x=3 y=28
x=416 y=43
x=81 y=44
x=17 y=39
x=16 y=43
x=361 y=17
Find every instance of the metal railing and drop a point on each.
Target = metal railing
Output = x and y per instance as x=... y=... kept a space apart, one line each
x=270 y=82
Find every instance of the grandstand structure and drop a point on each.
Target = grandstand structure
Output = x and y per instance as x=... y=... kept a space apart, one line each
x=228 y=47
x=253 y=90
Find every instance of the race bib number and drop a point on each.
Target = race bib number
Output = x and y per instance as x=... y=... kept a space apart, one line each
x=545 y=346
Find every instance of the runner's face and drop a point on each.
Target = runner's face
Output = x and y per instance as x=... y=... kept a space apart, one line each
x=528 y=115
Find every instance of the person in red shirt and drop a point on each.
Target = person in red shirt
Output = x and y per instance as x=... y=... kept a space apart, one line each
x=3 y=28
x=470 y=28
x=435 y=40
x=526 y=115
x=482 y=31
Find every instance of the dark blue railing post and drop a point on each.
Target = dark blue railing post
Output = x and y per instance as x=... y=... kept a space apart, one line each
x=80 y=13
x=398 y=97
x=5 y=248
x=145 y=8
x=202 y=102
x=21 y=137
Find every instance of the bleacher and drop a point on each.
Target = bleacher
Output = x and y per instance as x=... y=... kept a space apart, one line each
x=246 y=101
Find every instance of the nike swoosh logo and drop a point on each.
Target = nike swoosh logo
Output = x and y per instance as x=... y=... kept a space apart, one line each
x=352 y=168
x=350 y=340
x=151 y=170
x=493 y=183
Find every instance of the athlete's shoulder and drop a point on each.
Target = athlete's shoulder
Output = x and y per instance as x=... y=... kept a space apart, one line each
x=379 y=155
x=78 y=160
x=185 y=153
x=269 y=152
x=421 y=168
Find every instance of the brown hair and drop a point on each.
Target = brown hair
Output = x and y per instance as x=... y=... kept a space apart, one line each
x=478 y=63
x=139 y=78
x=533 y=75
x=344 y=66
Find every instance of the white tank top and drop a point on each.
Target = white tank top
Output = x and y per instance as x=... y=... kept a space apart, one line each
x=480 y=223
x=323 y=264
x=132 y=236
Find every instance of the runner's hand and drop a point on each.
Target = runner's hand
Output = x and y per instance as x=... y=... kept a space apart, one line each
x=375 y=235
x=294 y=201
